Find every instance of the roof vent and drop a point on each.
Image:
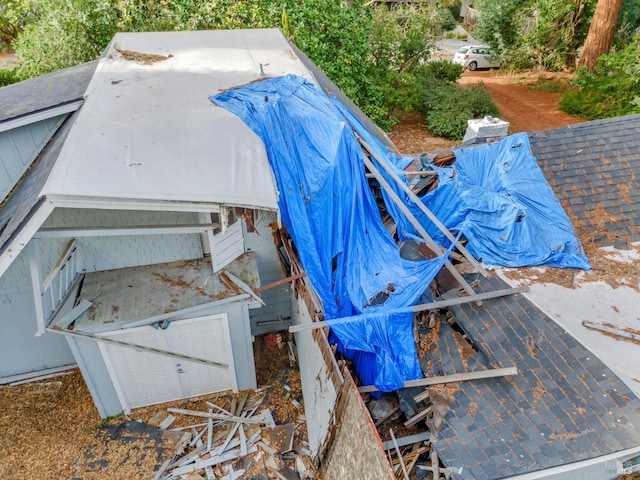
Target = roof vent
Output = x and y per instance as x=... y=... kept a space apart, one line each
x=485 y=130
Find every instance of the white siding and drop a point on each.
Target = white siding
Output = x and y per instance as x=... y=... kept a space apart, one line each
x=278 y=300
x=106 y=253
x=20 y=350
x=19 y=147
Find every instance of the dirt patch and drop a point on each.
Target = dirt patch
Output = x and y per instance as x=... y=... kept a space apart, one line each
x=526 y=107
x=411 y=135
x=523 y=101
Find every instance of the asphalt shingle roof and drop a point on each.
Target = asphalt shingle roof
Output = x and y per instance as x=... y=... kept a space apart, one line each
x=594 y=170
x=47 y=91
x=564 y=406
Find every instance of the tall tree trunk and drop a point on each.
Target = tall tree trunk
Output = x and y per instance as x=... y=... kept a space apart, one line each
x=601 y=31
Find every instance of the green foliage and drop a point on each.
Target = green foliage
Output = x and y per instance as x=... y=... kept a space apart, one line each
x=444 y=70
x=403 y=37
x=67 y=33
x=15 y=15
x=612 y=89
x=501 y=23
x=447 y=109
x=7 y=77
x=106 y=421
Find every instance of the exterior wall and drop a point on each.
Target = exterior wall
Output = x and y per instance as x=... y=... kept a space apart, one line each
x=17 y=311
x=355 y=448
x=320 y=378
x=20 y=146
x=106 y=253
x=342 y=436
x=276 y=314
x=20 y=350
x=95 y=374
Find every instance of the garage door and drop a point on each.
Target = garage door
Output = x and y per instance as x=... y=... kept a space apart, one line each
x=142 y=378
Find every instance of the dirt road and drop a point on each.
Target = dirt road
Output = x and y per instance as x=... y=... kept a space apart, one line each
x=526 y=108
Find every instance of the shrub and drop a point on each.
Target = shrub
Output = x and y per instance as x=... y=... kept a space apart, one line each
x=444 y=70
x=612 y=90
x=7 y=77
x=447 y=109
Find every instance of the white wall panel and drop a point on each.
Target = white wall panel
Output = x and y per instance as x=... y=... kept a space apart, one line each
x=105 y=253
x=20 y=350
x=278 y=300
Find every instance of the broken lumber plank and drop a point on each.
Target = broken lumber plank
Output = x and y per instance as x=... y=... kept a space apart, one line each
x=430 y=215
x=166 y=423
x=612 y=329
x=416 y=418
x=209 y=462
x=40 y=378
x=138 y=347
x=387 y=416
x=408 y=440
x=400 y=459
x=418 y=308
x=459 y=377
x=210 y=430
x=282 y=281
x=241 y=285
x=217 y=416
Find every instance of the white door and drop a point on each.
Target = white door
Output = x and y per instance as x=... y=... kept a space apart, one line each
x=210 y=340
x=143 y=378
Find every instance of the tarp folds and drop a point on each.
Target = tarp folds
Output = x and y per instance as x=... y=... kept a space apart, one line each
x=497 y=196
x=328 y=209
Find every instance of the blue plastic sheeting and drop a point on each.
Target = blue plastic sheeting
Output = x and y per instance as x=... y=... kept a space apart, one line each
x=327 y=207
x=497 y=196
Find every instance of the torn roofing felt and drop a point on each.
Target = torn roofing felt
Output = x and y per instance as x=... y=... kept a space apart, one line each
x=328 y=209
x=497 y=196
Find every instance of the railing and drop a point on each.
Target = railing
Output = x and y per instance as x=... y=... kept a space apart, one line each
x=59 y=281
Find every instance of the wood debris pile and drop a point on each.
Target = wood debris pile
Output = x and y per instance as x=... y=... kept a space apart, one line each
x=240 y=441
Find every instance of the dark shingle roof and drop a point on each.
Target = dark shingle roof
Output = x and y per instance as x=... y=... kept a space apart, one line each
x=564 y=406
x=594 y=170
x=47 y=91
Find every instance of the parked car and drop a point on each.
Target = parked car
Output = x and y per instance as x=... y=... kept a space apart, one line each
x=477 y=56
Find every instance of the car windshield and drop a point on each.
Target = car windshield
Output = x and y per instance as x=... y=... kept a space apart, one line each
x=463 y=49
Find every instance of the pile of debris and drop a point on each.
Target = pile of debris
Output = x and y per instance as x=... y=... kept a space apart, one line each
x=240 y=440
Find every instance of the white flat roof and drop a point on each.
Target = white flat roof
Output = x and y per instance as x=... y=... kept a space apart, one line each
x=596 y=301
x=148 y=130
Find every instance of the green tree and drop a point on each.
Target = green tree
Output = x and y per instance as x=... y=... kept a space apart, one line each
x=66 y=33
x=15 y=15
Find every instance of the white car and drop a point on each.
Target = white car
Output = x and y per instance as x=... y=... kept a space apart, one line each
x=477 y=56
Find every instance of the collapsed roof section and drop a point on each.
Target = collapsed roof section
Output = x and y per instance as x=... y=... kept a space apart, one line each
x=348 y=254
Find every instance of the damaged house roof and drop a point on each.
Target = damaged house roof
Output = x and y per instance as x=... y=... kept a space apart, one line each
x=594 y=169
x=565 y=405
x=575 y=397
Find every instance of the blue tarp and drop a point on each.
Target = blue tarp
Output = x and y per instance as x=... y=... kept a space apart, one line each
x=497 y=197
x=328 y=209
x=494 y=194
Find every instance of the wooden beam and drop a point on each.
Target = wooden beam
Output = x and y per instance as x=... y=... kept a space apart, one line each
x=282 y=281
x=118 y=230
x=414 y=221
x=422 y=206
x=135 y=346
x=408 y=440
x=612 y=330
x=416 y=308
x=456 y=377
